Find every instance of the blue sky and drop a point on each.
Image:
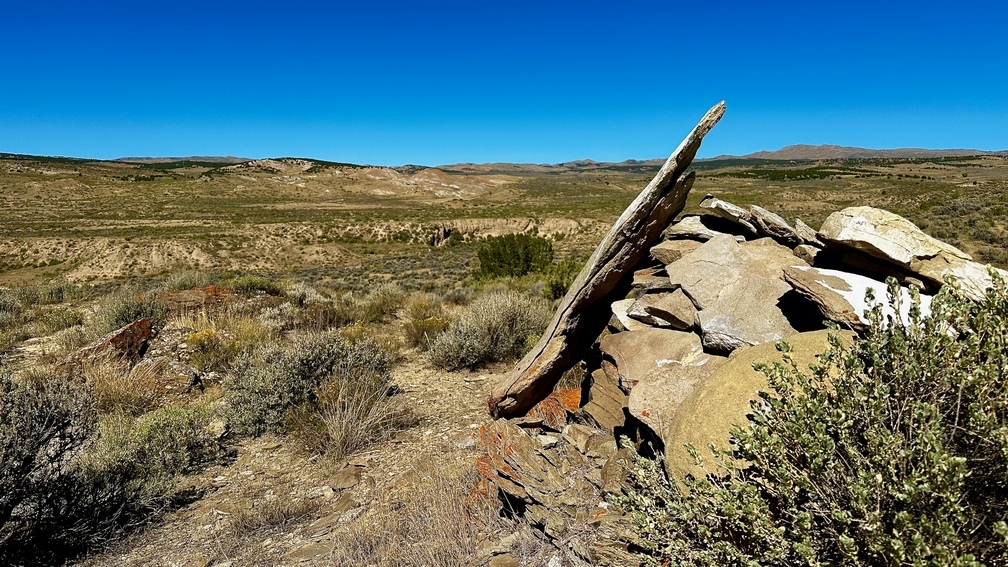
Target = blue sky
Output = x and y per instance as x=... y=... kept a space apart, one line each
x=391 y=83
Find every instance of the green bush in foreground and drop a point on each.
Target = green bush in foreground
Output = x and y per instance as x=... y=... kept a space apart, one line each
x=513 y=255
x=495 y=327
x=69 y=482
x=894 y=452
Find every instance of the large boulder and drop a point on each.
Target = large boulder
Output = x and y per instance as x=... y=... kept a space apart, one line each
x=841 y=295
x=893 y=238
x=706 y=416
x=736 y=288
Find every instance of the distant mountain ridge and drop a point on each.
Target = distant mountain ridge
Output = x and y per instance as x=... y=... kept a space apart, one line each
x=829 y=151
x=204 y=159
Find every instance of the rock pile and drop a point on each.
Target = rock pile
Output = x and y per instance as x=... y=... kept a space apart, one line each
x=686 y=321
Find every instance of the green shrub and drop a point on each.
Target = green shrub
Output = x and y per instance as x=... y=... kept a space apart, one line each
x=124 y=308
x=499 y=326
x=263 y=384
x=69 y=482
x=513 y=255
x=559 y=277
x=251 y=285
x=894 y=452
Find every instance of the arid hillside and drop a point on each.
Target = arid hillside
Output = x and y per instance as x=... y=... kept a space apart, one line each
x=101 y=221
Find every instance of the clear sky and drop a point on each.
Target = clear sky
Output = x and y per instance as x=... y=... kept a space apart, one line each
x=391 y=83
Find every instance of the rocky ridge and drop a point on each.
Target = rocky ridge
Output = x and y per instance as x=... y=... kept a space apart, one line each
x=713 y=295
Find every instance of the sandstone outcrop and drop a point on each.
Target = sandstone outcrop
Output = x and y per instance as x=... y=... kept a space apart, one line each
x=603 y=278
x=668 y=319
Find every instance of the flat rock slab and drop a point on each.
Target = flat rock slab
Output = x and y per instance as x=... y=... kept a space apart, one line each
x=671 y=250
x=605 y=401
x=693 y=228
x=621 y=312
x=706 y=416
x=841 y=295
x=637 y=354
x=736 y=288
x=673 y=308
x=893 y=238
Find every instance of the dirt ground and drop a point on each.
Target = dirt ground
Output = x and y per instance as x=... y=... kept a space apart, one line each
x=270 y=469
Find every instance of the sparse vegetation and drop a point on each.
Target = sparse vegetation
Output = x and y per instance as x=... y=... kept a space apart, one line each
x=499 y=326
x=891 y=453
x=264 y=384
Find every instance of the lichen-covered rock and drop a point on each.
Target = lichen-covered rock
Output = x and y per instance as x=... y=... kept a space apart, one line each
x=565 y=489
x=129 y=342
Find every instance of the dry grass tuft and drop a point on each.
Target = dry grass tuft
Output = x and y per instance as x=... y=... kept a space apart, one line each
x=443 y=517
x=115 y=385
x=269 y=514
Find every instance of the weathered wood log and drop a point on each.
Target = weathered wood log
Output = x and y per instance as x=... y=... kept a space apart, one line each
x=584 y=311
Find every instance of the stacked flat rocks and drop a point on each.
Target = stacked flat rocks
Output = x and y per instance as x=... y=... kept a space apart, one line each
x=714 y=297
x=692 y=305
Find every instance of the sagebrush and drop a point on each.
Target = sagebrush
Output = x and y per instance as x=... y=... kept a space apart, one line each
x=892 y=452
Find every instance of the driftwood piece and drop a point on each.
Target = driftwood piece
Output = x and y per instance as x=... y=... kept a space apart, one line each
x=584 y=311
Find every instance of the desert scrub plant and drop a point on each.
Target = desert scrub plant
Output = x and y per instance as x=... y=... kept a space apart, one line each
x=349 y=411
x=186 y=279
x=69 y=481
x=123 y=307
x=264 y=383
x=892 y=452
x=209 y=350
x=425 y=319
x=513 y=255
x=251 y=285
x=496 y=327
x=43 y=424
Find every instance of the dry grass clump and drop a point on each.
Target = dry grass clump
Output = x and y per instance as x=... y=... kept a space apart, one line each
x=254 y=285
x=443 y=516
x=331 y=391
x=215 y=338
x=187 y=279
x=117 y=386
x=425 y=320
x=123 y=307
x=496 y=327
x=269 y=514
